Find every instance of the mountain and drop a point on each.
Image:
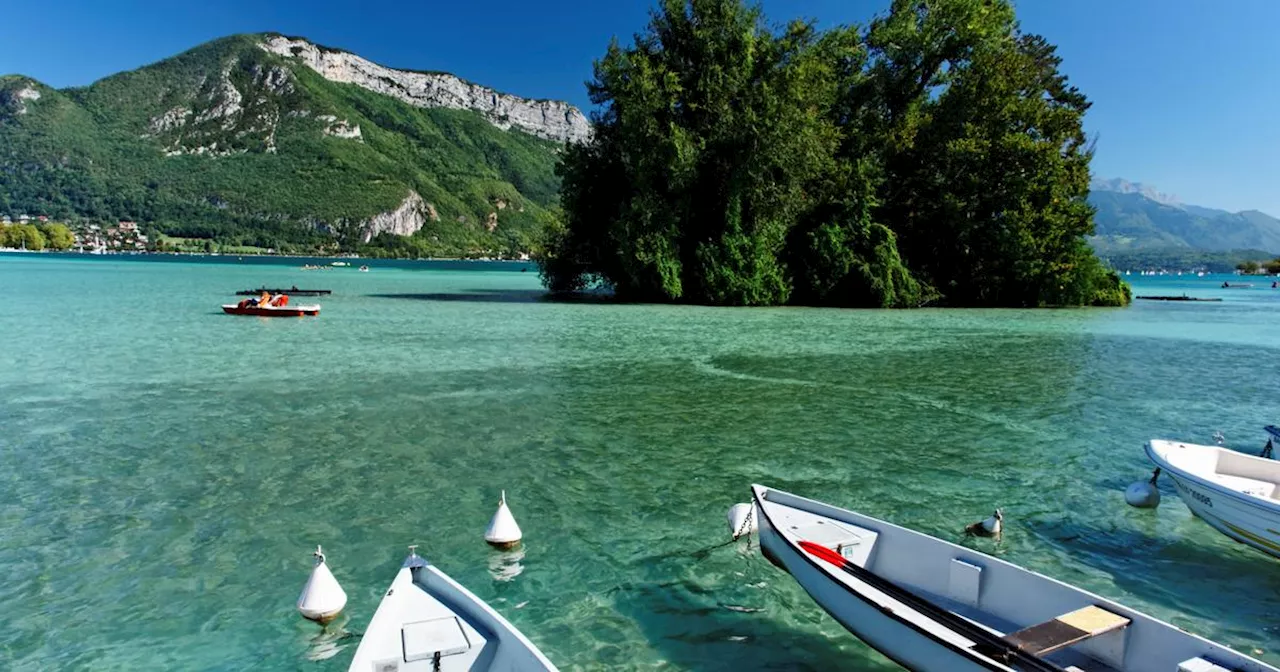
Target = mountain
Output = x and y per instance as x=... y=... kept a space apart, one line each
x=277 y=142
x=1133 y=217
x=1122 y=186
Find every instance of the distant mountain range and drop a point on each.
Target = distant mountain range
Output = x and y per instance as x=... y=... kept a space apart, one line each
x=1136 y=218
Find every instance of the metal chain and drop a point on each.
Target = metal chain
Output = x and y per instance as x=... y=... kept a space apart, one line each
x=746 y=524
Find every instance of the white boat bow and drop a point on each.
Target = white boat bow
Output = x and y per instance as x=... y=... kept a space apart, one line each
x=427 y=622
x=1235 y=493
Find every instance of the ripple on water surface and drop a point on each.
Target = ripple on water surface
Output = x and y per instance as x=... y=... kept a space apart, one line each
x=168 y=471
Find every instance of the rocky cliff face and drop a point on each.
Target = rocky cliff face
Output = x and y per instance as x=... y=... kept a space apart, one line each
x=553 y=120
x=1123 y=186
x=403 y=221
x=15 y=100
x=221 y=119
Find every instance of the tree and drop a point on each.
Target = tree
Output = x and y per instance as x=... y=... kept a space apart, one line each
x=714 y=158
x=1248 y=267
x=58 y=236
x=24 y=236
x=986 y=159
x=938 y=156
x=1272 y=267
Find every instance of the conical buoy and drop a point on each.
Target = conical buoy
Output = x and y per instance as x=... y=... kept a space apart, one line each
x=1143 y=494
x=503 y=532
x=322 y=599
x=742 y=520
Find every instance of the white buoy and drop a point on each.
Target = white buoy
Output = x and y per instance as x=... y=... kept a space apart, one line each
x=742 y=520
x=1143 y=494
x=322 y=599
x=503 y=532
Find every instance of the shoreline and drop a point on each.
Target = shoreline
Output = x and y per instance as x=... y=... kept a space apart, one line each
x=275 y=261
x=77 y=253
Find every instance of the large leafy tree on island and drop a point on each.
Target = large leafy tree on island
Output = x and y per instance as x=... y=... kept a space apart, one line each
x=936 y=156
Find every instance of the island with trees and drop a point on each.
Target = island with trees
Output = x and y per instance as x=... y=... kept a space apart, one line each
x=934 y=157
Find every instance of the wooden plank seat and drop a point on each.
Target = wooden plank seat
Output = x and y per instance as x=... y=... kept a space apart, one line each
x=1066 y=630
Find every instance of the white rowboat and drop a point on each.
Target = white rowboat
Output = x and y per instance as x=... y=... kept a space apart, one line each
x=933 y=606
x=427 y=622
x=1236 y=493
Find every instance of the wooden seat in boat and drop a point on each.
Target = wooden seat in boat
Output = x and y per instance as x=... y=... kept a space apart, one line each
x=1066 y=630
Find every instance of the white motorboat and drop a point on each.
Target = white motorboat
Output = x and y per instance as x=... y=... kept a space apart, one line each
x=1234 y=492
x=427 y=622
x=931 y=605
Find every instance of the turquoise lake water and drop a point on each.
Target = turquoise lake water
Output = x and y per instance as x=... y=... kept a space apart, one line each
x=168 y=468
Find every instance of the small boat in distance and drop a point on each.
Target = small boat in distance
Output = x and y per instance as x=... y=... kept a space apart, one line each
x=1235 y=493
x=364 y=269
x=340 y=264
x=269 y=305
x=428 y=622
x=292 y=291
x=1184 y=297
x=933 y=606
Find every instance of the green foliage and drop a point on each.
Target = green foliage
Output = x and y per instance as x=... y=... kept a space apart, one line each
x=1272 y=267
x=21 y=236
x=937 y=156
x=267 y=174
x=1248 y=267
x=58 y=236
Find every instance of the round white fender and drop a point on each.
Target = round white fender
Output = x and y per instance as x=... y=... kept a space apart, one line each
x=1144 y=494
x=322 y=599
x=503 y=532
x=742 y=519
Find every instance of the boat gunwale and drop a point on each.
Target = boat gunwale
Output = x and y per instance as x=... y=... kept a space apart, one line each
x=1178 y=472
x=897 y=593
x=1213 y=648
x=481 y=605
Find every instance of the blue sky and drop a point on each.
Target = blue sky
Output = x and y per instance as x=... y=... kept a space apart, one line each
x=1185 y=92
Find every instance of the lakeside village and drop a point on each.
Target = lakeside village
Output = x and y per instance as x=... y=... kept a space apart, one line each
x=38 y=233
x=27 y=233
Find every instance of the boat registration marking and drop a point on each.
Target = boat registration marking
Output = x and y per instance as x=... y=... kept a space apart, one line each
x=1199 y=497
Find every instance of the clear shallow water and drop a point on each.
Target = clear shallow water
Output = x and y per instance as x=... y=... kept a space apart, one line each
x=168 y=468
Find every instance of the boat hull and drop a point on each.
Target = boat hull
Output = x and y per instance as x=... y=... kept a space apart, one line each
x=932 y=605
x=896 y=640
x=271 y=311
x=1250 y=520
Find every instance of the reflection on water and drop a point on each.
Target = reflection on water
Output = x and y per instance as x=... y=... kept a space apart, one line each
x=506 y=565
x=330 y=641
